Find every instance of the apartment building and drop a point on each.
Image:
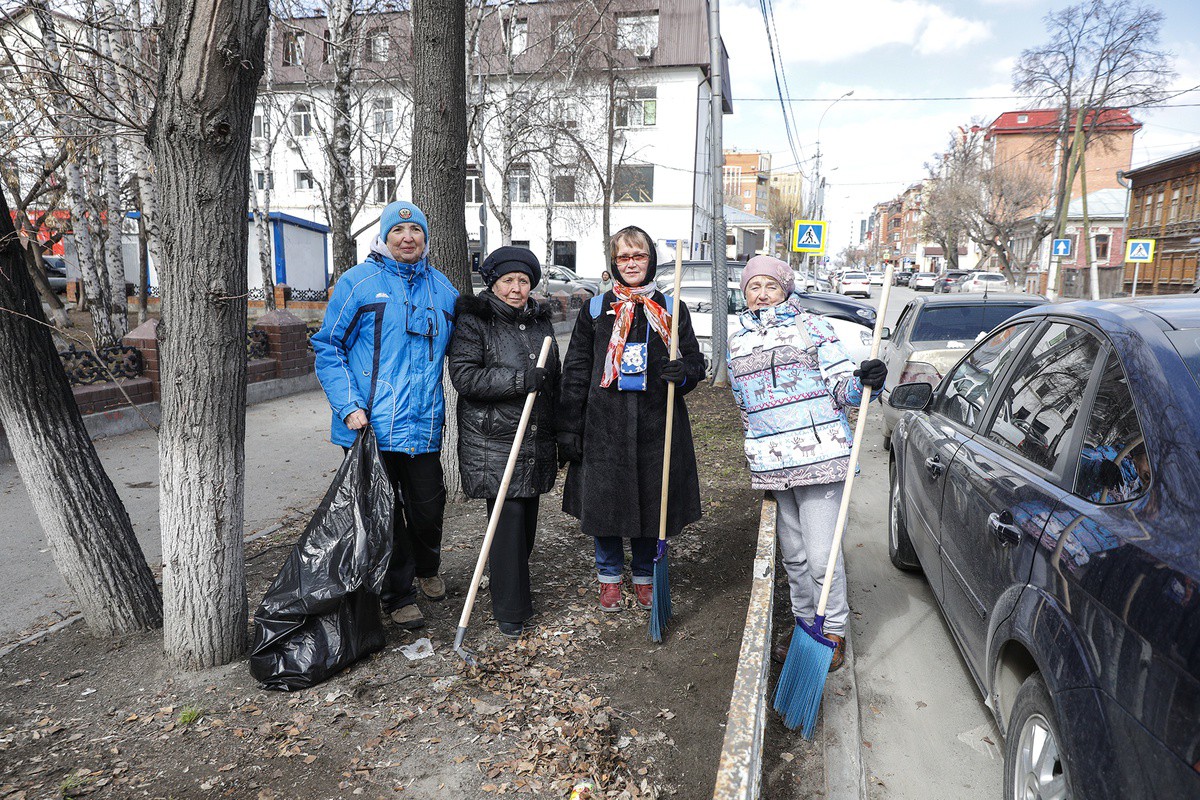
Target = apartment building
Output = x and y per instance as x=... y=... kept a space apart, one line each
x=747 y=179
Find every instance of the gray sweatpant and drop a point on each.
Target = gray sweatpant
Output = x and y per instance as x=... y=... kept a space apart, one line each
x=804 y=522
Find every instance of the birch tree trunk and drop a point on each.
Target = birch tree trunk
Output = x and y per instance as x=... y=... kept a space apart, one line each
x=211 y=60
x=341 y=175
x=87 y=528
x=440 y=162
x=118 y=309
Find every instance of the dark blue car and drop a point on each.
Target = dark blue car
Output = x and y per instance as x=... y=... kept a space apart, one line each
x=1049 y=488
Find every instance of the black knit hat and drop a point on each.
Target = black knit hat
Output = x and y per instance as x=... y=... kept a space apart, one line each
x=653 y=265
x=504 y=260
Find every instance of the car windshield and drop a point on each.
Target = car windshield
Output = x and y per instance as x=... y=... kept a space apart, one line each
x=989 y=276
x=699 y=299
x=961 y=322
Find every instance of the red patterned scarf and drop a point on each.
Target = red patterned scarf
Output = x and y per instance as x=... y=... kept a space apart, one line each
x=627 y=298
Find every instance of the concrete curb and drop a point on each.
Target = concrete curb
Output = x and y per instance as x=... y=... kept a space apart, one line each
x=845 y=778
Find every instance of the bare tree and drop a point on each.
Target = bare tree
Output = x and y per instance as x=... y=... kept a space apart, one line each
x=211 y=62
x=87 y=528
x=1101 y=55
x=1000 y=222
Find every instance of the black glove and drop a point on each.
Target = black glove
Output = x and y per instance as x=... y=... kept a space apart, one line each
x=872 y=373
x=534 y=378
x=570 y=448
x=673 y=371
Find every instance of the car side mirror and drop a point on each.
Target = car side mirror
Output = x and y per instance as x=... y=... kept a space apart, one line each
x=886 y=333
x=911 y=396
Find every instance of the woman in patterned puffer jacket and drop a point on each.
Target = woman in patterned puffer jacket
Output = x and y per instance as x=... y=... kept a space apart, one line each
x=793 y=382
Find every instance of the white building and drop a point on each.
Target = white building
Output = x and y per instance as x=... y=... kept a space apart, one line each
x=661 y=154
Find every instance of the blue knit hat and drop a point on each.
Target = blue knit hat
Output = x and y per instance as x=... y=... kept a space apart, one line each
x=398 y=213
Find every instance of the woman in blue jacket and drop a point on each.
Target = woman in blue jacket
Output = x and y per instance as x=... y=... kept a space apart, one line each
x=379 y=359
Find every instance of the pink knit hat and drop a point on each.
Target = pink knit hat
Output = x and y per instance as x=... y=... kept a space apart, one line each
x=772 y=268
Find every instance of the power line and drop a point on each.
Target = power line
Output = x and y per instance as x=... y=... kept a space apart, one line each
x=780 y=92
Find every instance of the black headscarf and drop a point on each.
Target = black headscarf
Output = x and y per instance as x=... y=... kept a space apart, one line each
x=651 y=268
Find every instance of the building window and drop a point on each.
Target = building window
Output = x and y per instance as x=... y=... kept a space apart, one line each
x=326 y=47
x=564 y=32
x=521 y=243
x=293 y=49
x=634 y=185
x=259 y=124
x=1022 y=119
x=638 y=33
x=264 y=180
x=301 y=119
x=516 y=33
x=563 y=188
x=564 y=254
x=304 y=180
x=639 y=108
x=474 y=186
x=518 y=183
x=1100 y=243
x=378 y=45
x=383 y=116
x=385 y=184
x=1173 y=213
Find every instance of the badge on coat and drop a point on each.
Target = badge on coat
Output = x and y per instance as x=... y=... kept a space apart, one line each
x=631 y=373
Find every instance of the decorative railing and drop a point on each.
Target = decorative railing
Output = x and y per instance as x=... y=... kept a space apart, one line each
x=310 y=295
x=84 y=367
x=257 y=344
x=311 y=330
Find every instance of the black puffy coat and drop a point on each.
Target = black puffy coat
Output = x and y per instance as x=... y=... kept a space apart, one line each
x=492 y=347
x=615 y=491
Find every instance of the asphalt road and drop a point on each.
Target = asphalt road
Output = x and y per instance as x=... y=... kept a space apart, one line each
x=926 y=732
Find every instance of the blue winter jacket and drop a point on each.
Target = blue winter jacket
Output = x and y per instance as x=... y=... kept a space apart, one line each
x=380 y=349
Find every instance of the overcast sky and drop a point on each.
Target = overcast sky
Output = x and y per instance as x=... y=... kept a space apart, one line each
x=873 y=147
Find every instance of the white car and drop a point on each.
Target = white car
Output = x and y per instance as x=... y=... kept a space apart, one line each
x=876 y=278
x=853 y=283
x=923 y=280
x=984 y=281
x=698 y=298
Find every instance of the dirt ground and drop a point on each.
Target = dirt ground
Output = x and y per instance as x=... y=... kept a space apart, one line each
x=587 y=696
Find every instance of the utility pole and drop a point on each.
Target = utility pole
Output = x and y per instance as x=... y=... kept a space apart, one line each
x=720 y=271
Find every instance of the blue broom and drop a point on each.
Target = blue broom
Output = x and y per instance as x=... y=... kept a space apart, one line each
x=660 y=603
x=802 y=679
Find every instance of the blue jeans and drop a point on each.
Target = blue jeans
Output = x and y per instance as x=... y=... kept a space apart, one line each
x=610 y=558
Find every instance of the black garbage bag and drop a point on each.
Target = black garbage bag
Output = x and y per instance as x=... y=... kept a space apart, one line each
x=321 y=613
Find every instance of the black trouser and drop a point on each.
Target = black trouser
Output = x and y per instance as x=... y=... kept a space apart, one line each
x=508 y=559
x=417 y=525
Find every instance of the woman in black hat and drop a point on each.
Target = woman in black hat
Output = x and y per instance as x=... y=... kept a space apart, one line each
x=612 y=419
x=493 y=356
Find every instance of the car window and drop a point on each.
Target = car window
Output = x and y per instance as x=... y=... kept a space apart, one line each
x=962 y=322
x=1113 y=464
x=969 y=386
x=905 y=318
x=697 y=298
x=1039 y=407
x=853 y=276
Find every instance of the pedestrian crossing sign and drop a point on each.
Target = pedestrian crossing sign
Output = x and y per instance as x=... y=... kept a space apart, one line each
x=1139 y=251
x=808 y=236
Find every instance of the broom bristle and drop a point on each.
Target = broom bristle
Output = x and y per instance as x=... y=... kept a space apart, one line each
x=802 y=682
x=660 y=603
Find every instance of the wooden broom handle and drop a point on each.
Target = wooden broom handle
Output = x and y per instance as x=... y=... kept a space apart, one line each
x=674 y=349
x=860 y=427
x=509 y=468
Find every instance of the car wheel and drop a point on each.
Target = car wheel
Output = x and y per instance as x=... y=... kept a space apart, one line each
x=900 y=549
x=1034 y=762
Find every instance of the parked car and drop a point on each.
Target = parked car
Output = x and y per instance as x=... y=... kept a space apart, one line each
x=923 y=280
x=697 y=271
x=984 y=282
x=56 y=273
x=698 y=298
x=557 y=272
x=875 y=278
x=1047 y=490
x=948 y=280
x=853 y=283
x=932 y=334
x=835 y=305
x=902 y=278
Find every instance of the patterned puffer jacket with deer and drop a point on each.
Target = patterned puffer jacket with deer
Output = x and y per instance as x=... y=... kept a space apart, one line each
x=792 y=381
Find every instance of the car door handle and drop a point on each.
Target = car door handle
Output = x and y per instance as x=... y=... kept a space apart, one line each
x=1001 y=526
x=934 y=465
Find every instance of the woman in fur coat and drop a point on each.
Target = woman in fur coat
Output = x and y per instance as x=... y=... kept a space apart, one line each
x=493 y=365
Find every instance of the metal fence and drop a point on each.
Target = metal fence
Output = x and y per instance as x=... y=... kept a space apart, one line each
x=85 y=367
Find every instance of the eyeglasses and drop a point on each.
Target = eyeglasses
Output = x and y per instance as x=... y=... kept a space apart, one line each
x=634 y=258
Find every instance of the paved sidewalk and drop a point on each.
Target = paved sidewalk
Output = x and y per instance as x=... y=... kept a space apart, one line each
x=289 y=463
